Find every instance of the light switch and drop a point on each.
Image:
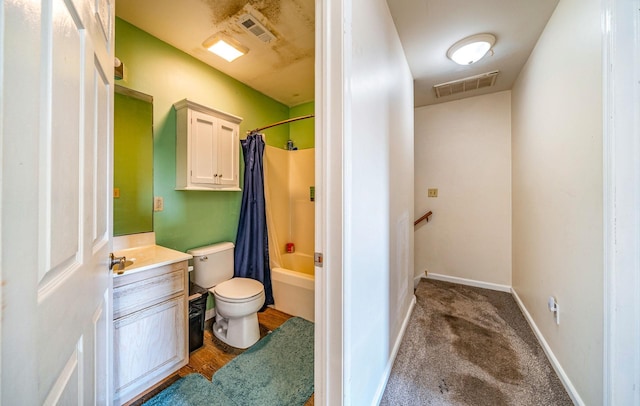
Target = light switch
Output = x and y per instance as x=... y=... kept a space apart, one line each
x=432 y=192
x=116 y=192
x=158 y=203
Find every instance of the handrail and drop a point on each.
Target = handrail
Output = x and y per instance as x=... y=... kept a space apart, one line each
x=425 y=217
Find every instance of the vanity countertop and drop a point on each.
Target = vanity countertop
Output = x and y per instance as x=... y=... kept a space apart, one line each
x=147 y=257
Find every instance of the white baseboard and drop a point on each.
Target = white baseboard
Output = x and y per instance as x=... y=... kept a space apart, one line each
x=416 y=280
x=469 y=282
x=396 y=346
x=571 y=390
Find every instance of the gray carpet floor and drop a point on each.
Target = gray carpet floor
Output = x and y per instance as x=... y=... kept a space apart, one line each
x=470 y=346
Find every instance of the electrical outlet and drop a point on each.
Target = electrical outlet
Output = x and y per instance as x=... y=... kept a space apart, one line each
x=158 y=203
x=432 y=192
x=555 y=308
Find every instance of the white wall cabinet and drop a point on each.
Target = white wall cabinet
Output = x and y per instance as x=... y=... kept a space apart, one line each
x=207 y=151
x=150 y=328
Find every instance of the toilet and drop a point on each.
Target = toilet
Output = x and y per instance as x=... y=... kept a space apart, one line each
x=237 y=300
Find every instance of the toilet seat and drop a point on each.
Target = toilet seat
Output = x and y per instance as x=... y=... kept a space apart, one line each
x=238 y=290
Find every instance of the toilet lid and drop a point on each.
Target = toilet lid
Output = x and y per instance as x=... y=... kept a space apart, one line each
x=239 y=288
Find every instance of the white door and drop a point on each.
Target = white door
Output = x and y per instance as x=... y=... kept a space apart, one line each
x=204 y=168
x=56 y=114
x=227 y=153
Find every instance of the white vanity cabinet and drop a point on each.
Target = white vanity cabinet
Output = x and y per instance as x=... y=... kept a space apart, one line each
x=150 y=317
x=207 y=151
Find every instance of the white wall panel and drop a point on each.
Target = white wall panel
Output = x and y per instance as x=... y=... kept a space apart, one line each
x=463 y=148
x=558 y=190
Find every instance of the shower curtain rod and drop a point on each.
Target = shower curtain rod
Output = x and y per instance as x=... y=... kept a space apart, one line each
x=281 y=122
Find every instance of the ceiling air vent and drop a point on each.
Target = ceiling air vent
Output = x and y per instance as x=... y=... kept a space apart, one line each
x=464 y=85
x=252 y=25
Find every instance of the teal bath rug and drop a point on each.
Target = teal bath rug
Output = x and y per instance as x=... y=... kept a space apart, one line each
x=192 y=390
x=276 y=371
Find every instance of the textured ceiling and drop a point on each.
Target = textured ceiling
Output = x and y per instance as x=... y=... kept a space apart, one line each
x=284 y=68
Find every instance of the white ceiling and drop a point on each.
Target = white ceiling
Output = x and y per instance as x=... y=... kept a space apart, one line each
x=284 y=68
x=427 y=29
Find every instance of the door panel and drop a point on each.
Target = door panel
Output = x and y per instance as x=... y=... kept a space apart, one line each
x=227 y=141
x=211 y=162
x=98 y=151
x=66 y=389
x=103 y=353
x=146 y=352
x=60 y=169
x=204 y=148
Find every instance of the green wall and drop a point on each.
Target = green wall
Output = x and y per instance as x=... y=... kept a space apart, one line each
x=302 y=132
x=190 y=218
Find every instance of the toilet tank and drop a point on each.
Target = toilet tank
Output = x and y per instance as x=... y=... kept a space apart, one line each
x=212 y=264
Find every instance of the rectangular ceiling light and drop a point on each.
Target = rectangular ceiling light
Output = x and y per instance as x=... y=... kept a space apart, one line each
x=225 y=47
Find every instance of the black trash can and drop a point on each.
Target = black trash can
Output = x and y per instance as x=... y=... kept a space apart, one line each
x=197 y=308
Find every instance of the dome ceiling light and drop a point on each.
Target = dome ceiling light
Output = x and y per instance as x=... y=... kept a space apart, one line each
x=471 y=49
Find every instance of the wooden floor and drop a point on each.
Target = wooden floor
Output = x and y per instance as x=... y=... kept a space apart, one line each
x=214 y=354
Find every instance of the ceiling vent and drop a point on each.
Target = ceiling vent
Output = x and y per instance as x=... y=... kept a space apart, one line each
x=252 y=25
x=464 y=85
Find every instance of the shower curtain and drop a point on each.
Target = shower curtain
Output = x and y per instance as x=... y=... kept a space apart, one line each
x=252 y=243
x=275 y=257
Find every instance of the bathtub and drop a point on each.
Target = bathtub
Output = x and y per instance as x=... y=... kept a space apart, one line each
x=293 y=286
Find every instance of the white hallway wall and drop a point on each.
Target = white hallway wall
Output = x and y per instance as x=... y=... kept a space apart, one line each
x=463 y=148
x=558 y=190
x=378 y=198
